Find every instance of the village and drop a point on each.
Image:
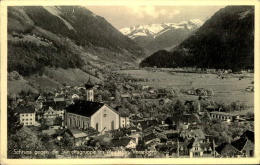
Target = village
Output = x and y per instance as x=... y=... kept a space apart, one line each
x=122 y=119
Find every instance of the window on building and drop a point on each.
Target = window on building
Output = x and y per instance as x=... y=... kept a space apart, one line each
x=78 y=123
x=70 y=122
x=83 y=125
x=75 y=122
x=112 y=125
x=251 y=153
x=97 y=126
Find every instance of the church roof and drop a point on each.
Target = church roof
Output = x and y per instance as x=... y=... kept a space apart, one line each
x=84 y=108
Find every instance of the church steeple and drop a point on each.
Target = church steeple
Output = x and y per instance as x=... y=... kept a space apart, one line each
x=89 y=89
x=89 y=84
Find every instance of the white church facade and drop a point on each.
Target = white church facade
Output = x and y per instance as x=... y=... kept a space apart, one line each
x=86 y=113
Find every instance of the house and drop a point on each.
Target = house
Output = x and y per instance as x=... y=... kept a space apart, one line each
x=75 y=97
x=185 y=121
x=211 y=108
x=125 y=96
x=136 y=136
x=151 y=129
x=124 y=120
x=57 y=106
x=145 y=87
x=199 y=148
x=197 y=134
x=79 y=137
x=125 y=142
x=136 y=117
x=26 y=115
x=49 y=113
x=244 y=146
x=229 y=117
x=146 y=124
x=40 y=100
x=227 y=150
x=59 y=97
x=249 y=135
x=150 y=138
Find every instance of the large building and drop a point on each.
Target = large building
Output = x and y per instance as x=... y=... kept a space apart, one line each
x=223 y=116
x=86 y=113
x=27 y=115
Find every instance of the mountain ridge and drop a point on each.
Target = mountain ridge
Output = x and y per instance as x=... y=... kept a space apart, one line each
x=154 y=37
x=64 y=37
x=228 y=36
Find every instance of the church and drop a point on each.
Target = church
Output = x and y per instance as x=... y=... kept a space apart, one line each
x=86 y=113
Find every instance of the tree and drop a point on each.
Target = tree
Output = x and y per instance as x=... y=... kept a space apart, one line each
x=179 y=107
x=117 y=96
x=67 y=141
x=13 y=119
x=23 y=139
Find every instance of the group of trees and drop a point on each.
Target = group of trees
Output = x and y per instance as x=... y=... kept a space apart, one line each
x=234 y=106
x=28 y=58
x=220 y=131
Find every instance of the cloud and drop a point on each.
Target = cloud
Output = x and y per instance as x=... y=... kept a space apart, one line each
x=151 y=11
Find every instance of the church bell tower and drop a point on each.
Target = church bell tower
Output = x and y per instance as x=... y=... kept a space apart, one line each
x=90 y=91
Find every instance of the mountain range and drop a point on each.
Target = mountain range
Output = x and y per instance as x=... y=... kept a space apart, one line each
x=225 y=41
x=166 y=36
x=43 y=41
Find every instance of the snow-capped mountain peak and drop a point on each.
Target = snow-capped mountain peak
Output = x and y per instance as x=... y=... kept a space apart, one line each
x=155 y=30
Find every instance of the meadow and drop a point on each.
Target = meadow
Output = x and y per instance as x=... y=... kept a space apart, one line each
x=227 y=90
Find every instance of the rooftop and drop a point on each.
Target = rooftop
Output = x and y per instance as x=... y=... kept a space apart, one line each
x=121 y=142
x=56 y=105
x=25 y=109
x=76 y=133
x=84 y=108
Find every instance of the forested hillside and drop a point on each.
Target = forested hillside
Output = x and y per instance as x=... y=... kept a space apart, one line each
x=225 y=41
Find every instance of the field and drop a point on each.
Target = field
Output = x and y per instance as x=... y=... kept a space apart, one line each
x=226 y=90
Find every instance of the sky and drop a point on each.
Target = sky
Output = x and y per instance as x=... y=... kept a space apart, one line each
x=127 y=16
